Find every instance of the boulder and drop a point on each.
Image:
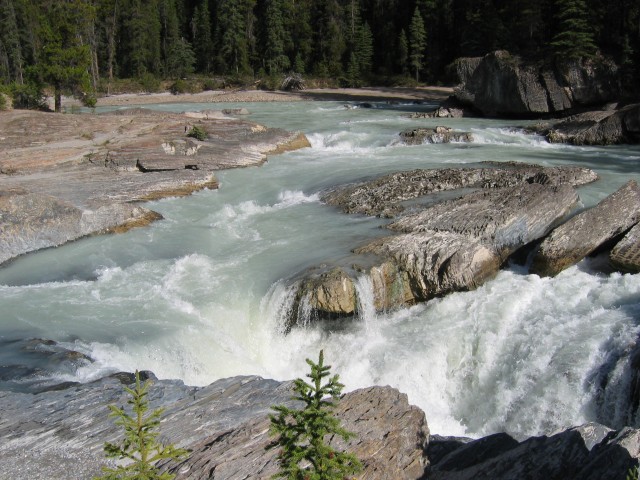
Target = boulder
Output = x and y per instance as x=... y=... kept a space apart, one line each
x=602 y=127
x=626 y=254
x=579 y=453
x=419 y=136
x=587 y=231
x=461 y=70
x=505 y=85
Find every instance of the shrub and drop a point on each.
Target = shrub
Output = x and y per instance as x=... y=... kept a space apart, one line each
x=140 y=444
x=149 y=83
x=28 y=96
x=198 y=133
x=178 y=87
x=304 y=455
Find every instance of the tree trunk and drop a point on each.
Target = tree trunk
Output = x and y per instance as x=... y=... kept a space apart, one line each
x=57 y=100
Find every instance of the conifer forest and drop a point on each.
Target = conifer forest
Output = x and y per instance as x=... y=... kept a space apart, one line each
x=69 y=43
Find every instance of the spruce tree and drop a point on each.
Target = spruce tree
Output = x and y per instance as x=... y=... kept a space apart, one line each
x=417 y=43
x=574 y=38
x=140 y=446
x=303 y=453
x=202 y=40
x=275 y=58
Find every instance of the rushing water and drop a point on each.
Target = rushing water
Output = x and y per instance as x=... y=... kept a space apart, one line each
x=200 y=295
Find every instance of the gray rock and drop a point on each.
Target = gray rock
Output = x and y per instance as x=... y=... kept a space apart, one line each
x=225 y=424
x=385 y=195
x=584 y=233
x=602 y=127
x=503 y=84
x=419 y=136
x=626 y=254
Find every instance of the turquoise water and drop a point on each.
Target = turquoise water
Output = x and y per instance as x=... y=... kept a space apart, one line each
x=199 y=296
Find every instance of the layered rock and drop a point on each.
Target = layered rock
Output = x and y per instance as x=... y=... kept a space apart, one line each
x=591 y=451
x=503 y=84
x=385 y=195
x=419 y=136
x=626 y=254
x=444 y=245
x=225 y=425
x=74 y=175
x=589 y=230
x=602 y=127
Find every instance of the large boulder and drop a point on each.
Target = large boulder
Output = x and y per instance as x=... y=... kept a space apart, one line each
x=587 y=231
x=503 y=84
x=602 y=127
x=419 y=136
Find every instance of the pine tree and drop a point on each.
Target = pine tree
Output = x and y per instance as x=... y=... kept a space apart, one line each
x=202 y=40
x=417 y=42
x=140 y=446
x=574 y=38
x=304 y=455
x=275 y=58
x=234 y=22
x=10 y=43
x=403 y=53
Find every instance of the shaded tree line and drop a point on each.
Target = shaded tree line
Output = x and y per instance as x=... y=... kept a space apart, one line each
x=73 y=44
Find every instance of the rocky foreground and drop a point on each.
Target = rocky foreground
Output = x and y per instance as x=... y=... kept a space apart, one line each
x=59 y=435
x=63 y=177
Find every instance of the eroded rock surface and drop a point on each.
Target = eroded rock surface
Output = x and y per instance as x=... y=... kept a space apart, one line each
x=225 y=425
x=419 y=136
x=66 y=176
x=584 y=233
x=626 y=254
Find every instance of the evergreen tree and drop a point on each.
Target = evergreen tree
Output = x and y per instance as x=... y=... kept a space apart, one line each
x=364 y=49
x=202 y=40
x=234 y=17
x=10 y=46
x=65 y=58
x=180 y=59
x=417 y=43
x=275 y=58
x=140 y=445
x=304 y=455
x=574 y=38
x=403 y=53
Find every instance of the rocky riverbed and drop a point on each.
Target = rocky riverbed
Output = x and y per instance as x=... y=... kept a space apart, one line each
x=63 y=177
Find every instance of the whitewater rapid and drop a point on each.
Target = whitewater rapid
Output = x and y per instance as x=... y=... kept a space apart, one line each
x=202 y=294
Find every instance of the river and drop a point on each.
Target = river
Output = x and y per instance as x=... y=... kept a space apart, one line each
x=200 y=295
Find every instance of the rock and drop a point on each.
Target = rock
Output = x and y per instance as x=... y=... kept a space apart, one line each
x=505 y=85
x=603 y=127
x=389 y=442
x=626 y=254
x=574 y=453
x=235 y=111
x=461 y=70
x=419 y=136
x=85 y=171
x=385 y=195
x=225 y=425
x=584 y=233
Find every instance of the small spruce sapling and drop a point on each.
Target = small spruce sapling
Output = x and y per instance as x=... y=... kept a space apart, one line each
x=198 y=133
x=140 y=445
x=303 y=453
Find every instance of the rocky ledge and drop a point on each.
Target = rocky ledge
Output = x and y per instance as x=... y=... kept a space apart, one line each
x=455 y=228
x=58 y=435
x=63 y=177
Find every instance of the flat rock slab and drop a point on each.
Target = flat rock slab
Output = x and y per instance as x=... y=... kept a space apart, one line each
x=626 y=254
x=385 y=195
x=584 y=233
x=77 y=175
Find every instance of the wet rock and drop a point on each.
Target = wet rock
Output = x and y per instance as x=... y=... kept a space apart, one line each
x=626 y=254
x=503 y=84
x=602 y=127
x=419 y=136
x=385 y=195
x=235 y=111
x=84 y=172
x=584 y=233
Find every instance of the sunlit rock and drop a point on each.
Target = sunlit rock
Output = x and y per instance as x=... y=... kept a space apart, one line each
x=583 y=234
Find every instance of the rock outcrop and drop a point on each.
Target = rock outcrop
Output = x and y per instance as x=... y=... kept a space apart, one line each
x=591 y=451
x=63 y=177
x=505 y=85
x=445 y=245
x=225 y=425
x=601 y=127
x=589 y=230
x=419 y=136
x=626 y=254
